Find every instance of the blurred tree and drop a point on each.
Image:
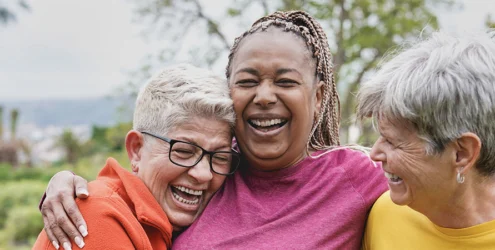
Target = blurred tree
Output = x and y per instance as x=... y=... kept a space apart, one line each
x=1 y=123
x=115 y=136
x=7 y=12
x=71 y=146
x=360 y=32
x=489 y=22
x=14 y=117
x=8 y=149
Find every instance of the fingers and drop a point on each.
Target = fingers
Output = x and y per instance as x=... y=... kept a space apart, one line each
x=52 y=229
x=62 y=218
x=81 y=186
x=49 y=232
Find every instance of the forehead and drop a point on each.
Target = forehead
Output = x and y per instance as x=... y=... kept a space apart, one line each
x=395 y=128
x=275 y=46
x=205 y=132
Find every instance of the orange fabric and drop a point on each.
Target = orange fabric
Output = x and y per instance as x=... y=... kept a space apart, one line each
x=121 y=213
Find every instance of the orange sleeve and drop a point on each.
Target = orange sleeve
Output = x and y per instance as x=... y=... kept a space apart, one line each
x=105 y=234
x=110 y=226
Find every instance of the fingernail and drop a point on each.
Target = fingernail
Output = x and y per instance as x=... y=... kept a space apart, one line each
x=83 y=230
x=79 y=242
x=67 y=246
x=84 y=191
x=55 y=244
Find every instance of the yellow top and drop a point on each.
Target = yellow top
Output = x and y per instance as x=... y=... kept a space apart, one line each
x=391 y=226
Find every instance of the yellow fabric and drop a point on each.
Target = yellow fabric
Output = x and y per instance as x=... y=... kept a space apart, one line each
x=391 y=226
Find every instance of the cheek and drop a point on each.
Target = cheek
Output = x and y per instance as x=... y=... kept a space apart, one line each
x=217 y=182
x=240 y=99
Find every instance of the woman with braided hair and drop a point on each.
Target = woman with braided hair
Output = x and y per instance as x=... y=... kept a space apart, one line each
x=296 y=188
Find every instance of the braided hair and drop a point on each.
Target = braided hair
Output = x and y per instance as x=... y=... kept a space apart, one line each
x=325 y=131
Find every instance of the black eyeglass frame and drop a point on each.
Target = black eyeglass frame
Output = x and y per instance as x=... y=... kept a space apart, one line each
x=203 y=153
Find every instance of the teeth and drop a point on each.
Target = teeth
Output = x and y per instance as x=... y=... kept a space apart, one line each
x=266 y=123
x=189 y=191
x=392 y=177
x=193 y=202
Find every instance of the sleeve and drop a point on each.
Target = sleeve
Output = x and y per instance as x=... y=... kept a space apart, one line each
x=106 y=229
x=367 y=176
x=110 y=224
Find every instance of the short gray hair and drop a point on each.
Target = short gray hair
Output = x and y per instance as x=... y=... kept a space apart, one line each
x=178 y=93
x=444 y=86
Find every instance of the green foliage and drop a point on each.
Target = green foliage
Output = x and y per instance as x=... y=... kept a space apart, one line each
x=17 y=194
x=23 y=226
x=71 y=145
x=115 y=136
x=489 y=22
x=233 y=12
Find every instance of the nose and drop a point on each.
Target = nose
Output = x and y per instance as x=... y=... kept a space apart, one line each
x=201 y=171
x=265 y=94
x=377 y=153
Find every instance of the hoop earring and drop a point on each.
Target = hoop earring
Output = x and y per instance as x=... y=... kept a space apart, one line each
x=460 y=177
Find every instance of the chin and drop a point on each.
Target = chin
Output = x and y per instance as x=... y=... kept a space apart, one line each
x=401 y=199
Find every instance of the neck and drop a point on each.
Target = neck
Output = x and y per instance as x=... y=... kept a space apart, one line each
x=472 y=203
x=270 y=165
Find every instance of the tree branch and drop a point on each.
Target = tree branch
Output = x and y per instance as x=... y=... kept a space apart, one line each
x=212 y=26
x=340 y=55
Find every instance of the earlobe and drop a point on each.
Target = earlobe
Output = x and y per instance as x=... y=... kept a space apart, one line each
x=134 y=143
x=468 y=149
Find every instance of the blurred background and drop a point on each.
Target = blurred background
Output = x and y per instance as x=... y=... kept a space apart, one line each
x=70 y=71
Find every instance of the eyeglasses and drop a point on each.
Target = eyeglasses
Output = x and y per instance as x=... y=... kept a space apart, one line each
x=186 y=154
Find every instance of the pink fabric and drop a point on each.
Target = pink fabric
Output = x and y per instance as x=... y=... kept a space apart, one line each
x=318 y=204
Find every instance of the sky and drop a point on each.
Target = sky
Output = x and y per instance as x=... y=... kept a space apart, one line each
x=66 y=49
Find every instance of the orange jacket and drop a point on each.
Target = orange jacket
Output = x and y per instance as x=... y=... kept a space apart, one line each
x=121 y=213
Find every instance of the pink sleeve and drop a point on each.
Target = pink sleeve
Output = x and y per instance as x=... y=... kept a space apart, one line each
x=367 y=176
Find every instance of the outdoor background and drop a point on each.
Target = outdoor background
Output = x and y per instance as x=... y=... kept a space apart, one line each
x=70 y=70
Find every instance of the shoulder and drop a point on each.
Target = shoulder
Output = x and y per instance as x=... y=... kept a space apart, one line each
x=345 y=157
x=110 y=220
x=385 y=213
x=365 y=175
x=104 y=200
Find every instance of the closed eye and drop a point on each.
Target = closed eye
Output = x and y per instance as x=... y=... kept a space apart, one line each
x=287 y=82
x=246 y=82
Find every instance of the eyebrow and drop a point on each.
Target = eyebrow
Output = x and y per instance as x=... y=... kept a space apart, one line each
x=286 y=70
x=253 y=71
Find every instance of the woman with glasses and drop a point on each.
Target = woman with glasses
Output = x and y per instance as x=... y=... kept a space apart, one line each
x=180 y=153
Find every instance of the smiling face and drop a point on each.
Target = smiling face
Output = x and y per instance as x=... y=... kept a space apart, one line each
x=415 y=178
x=182 y=192
x=276 y=95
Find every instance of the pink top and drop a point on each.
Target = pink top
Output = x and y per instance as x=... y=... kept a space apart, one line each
x=317 y=204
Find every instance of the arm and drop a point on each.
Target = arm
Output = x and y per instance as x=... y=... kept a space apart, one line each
x=60 y=213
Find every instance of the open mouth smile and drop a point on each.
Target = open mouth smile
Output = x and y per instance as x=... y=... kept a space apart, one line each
x=266 y=125
x=186 y=195
x=392 y=177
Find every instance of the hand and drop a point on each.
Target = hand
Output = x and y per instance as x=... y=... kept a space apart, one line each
x=60 y=205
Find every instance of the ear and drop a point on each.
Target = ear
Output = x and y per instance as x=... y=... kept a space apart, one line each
x=318 y=97
x=134 y=142
x=468 y=148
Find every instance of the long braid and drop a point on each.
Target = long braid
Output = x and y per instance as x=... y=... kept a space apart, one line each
x=325 y=131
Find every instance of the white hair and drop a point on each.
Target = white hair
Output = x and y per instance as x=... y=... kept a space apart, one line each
x=444 y=86
x=179 y=93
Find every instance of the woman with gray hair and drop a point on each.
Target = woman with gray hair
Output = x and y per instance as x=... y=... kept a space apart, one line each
x=435 y=109
x=180 y=153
